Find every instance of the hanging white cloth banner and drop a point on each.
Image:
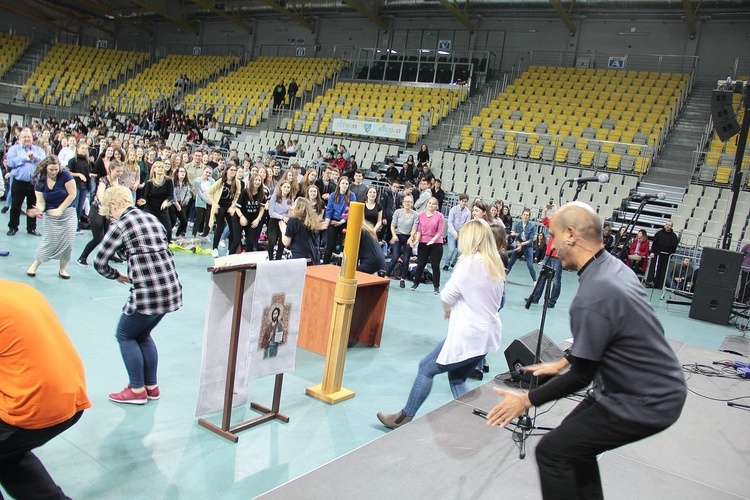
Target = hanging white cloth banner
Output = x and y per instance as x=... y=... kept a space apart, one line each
x=216 y=335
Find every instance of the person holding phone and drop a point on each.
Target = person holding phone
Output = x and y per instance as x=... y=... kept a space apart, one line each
x=550 y=259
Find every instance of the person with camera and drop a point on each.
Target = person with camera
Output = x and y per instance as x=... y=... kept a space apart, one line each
x=551 y=261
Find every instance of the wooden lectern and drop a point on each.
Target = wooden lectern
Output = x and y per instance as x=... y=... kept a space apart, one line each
x=368 y=311
x=226 y=430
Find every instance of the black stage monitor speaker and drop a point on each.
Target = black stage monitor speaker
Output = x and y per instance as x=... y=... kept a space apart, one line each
x=722 y=111
x=720 y=268
x=521 y=352
x=712 y=303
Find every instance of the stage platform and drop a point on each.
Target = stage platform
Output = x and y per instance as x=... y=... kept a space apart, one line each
x=450 y=453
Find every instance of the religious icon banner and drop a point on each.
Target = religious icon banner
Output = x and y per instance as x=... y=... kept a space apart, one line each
x=275 y=317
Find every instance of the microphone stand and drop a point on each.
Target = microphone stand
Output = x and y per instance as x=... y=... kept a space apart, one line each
x=579 y=187
x=525 y=422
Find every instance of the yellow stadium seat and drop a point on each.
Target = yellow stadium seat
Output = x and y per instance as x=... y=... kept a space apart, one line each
x=613 y=161
x=641 y=164
x=723 y=174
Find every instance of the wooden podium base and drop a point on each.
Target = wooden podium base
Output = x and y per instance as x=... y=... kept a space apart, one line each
x=231 y=433
x=272 y=413
x=316 y=391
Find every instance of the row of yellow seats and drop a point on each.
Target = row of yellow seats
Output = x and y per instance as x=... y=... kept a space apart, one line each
x=561 y=155
x=533 y=135
x=558 y=135
x=533 y=82
x=717 y=159
x=639 y=95
x=385 y=93
x=598 y=100
x=615 y=119
x=384 y=96
x=626 y=136
x=576 y=129
x=415 y=93
x=601 y=72
x=399 y=89
x=414 y=96
x=597 y=97
x=511 y=102
x=568 y=114
x=578 y=115
x=578 y=105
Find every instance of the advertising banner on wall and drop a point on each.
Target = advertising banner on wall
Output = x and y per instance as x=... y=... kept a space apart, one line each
x=384 y=130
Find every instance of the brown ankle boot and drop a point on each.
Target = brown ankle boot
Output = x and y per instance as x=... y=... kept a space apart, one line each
x=393 y=420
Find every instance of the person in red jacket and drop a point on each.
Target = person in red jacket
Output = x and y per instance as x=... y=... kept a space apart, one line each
x=638 y=253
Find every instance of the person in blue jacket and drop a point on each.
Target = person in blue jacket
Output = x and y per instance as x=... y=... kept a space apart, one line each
x=524 y=232
x=336 y=211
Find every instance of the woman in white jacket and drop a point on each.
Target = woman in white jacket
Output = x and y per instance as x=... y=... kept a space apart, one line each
x=471 y=300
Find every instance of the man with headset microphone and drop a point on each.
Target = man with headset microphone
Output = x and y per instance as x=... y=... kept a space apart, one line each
x=619 y=344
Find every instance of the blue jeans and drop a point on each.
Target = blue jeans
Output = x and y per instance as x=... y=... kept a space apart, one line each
x=428 y=368
x=9 y=191
x=400 y=249
x=554 y=294
x=453 y=254
x=528 y=252
x=81 y=196
x=137 y=348
x=92 y=188
x=191 y=210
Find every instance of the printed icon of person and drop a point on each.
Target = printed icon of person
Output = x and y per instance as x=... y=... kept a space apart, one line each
x=273 y=335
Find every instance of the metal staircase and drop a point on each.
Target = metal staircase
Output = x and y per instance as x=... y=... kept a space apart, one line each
x=674 y=164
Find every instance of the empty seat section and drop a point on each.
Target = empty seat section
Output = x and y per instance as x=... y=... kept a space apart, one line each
x=68 y=73
x=157 y=82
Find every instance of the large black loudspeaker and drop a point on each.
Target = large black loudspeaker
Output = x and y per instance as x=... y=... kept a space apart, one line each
x=521 y=352
x=712 y=303
x=717 y=282
x=720 y=268
x=722 y=111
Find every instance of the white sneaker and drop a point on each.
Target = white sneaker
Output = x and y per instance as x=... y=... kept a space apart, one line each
x=222 y=244
x=215 y=253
